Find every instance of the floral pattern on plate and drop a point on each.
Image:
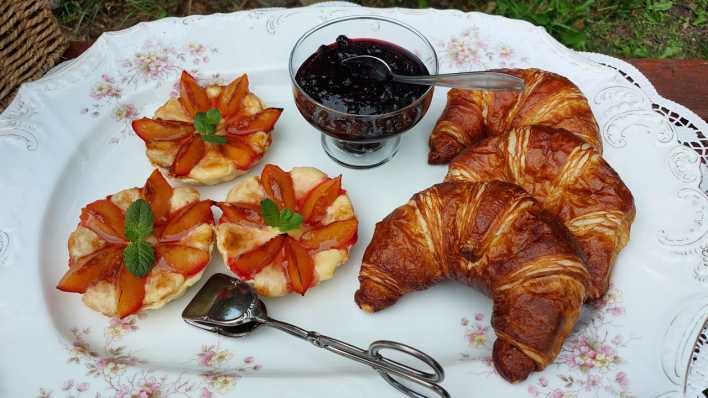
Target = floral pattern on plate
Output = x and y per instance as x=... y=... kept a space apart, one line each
x=115 y=369
x=470 y=51
x=155 y=63
x=590 y=360
x=480 y=337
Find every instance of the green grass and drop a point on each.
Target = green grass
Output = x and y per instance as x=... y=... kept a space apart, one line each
x=623 y=28
x=91 y=17
x=628 y=28
x=649 y=28
x=563 y=19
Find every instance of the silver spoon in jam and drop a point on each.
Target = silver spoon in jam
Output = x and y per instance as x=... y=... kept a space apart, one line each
x=376 y=69
x=230 y=307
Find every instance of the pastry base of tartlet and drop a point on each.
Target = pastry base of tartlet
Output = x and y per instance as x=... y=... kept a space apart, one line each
x=160 y=289
x=162 y=285
x=232 y=239
x=214 y=168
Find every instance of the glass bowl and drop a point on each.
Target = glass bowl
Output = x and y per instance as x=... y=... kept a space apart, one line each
x=362 y=141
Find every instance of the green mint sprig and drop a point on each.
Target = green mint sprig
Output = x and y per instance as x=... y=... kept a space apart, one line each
x=206 y=123
x=139 y=255
x=139 y=258
x=282 y=219
x=138 y=220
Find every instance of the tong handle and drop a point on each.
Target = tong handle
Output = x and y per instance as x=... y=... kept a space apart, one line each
x=428 y=380
x=384 y=366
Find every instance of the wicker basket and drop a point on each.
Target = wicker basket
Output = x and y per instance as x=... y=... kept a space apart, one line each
x=31 y=42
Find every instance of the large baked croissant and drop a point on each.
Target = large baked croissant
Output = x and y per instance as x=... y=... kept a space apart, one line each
x=547 y=99
x=570 y=179
x=490 y=235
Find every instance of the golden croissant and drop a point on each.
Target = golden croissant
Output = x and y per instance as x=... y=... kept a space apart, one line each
x=571 y=181
x=493 y=236
x=547 y=99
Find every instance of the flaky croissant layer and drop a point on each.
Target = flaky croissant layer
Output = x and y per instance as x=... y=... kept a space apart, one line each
x=489 y=235
x=548 y=99
x=571 y=181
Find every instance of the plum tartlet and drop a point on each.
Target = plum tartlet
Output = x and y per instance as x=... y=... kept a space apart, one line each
x=179 y=231
x=208 y=134
x=286 y=232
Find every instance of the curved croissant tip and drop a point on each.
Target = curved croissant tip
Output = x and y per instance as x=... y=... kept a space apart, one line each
x=367 y=308
x=511 y=363
x=434 y=157
x=364 y=302
x=364 y=306
x=442 y=149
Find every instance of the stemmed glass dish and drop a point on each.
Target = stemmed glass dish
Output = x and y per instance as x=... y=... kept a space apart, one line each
x=363 y=139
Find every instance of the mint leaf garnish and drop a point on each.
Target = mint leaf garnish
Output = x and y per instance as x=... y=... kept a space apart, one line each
x=202 y=124
x=289 y=220
x=206 y=124
x=138 y=220
x=284 y=220
x=213 y=117
x=214 y=139
x=139 y=255
x=271 y=214
x=139 y=258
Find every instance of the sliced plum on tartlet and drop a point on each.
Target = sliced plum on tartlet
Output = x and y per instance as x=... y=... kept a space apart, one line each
x=285 y=232
x=139 y=248
x=208 y=134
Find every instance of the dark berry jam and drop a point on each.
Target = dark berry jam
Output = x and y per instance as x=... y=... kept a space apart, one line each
x=361 y=101
x=324 y=78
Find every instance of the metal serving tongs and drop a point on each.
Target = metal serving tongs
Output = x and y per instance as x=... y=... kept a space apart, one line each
x=230 y=307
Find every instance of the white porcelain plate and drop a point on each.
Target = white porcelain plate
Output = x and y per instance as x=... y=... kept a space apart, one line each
x=66 y=140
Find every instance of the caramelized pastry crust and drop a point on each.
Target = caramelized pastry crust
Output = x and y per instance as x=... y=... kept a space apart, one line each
x=570 y=179
x=493 y=236
x=547 y=99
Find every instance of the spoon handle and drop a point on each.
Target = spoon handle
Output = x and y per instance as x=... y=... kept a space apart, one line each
x=387 y=368
x=469 y=80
